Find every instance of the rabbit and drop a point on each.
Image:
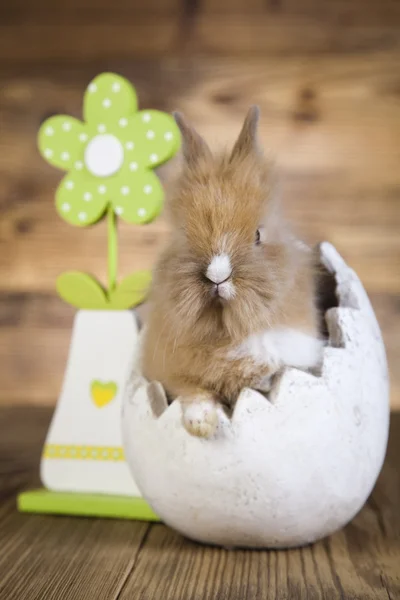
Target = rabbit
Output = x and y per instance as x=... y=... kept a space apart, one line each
x=232 y=299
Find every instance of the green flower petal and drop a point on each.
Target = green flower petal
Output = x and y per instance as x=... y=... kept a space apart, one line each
x=81 y=200
x=138 y=198
x=149 y=138
x=108 y=98
x=62 y=140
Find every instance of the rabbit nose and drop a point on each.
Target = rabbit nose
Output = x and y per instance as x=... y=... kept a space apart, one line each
x=219 y=269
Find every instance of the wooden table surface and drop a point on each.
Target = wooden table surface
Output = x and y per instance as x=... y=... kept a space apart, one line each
x=62 y=558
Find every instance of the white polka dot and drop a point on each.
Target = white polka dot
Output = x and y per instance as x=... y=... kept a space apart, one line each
x=79 y=165
x=102 y=189
x=65 y=207
x=123 y=122
x=148 y=189
x=153 y=158
x=48 y=153
x=129 y=145
x=83 y=137
x=92 y=88
x=150 y=134
x=64 y=155
x=125 y=190
x=66 y=126
x=101 y=128
x=119 y=210
x=142 y=212
x=69 y=185
x=49 y=131
x=133 y=166
x=106 y=102
x=146 y=117
x=87 y=196
x=168 y=135
x=82 y=216
x=116 y=87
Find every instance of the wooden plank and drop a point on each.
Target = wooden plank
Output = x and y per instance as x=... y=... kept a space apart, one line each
x=235 y=6
x=54 y=41
x=335 y=568
x=66 y=558
x=35 y=364
x=35 y=311
x=120 y=34
x=277 y=34
x=387 y=309
x=343 y=12
x=38 y=9
x=21 y=453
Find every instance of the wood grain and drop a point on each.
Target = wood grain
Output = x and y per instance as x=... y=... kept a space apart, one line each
x=80 y=559
x=61 y=558
x=325 y=77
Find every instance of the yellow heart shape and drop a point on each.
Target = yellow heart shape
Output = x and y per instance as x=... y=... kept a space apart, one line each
x=103 y=392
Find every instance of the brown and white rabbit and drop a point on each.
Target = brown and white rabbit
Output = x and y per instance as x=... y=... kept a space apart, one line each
x=233 y=297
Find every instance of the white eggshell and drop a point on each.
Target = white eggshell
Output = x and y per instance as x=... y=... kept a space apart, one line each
x=281 y=473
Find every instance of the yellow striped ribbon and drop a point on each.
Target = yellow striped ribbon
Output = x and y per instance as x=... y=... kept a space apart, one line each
x=108 y=453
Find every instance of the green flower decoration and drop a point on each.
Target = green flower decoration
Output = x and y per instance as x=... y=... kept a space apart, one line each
x=109 y=159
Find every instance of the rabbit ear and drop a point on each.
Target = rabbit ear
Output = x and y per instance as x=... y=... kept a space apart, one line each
x=247 y=140
x=193 y=146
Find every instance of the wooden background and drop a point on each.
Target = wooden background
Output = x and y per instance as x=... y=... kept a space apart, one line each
x=326 y=75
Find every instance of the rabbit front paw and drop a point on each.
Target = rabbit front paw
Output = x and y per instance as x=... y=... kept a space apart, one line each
x=200 y=417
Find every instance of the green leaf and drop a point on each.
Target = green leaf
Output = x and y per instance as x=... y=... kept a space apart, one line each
x=131 y=291
x=81 y=290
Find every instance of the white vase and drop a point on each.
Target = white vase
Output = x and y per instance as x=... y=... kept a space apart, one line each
x=83 y=450
x=281 y=473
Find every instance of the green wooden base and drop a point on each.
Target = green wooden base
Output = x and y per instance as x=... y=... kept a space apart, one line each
x=43 y=501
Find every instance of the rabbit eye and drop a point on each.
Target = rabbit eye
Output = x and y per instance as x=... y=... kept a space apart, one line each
x=258 y=237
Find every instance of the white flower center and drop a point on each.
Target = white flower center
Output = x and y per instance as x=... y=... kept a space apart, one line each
x=104 y=155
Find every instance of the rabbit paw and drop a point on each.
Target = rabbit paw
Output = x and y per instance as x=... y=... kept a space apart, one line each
x=200 y=417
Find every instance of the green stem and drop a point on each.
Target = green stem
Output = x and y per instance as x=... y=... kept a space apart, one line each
x=112 y=248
